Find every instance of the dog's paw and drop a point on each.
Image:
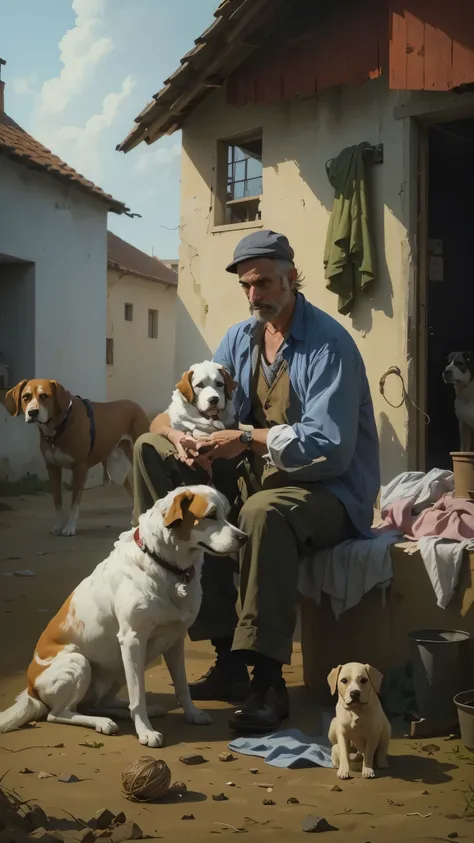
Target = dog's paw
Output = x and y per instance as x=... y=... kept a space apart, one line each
x=368 y=773
x=69 y=530
x=343 y=773
x=150 y=738
x=57 y=529
x=105 y=726
x=201 y=718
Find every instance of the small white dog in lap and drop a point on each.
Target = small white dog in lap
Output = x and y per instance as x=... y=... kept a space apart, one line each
x=360 y=720
x=136 y=605
x=202 y=401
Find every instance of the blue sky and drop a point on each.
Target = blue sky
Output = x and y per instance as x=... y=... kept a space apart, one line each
x=79 y=71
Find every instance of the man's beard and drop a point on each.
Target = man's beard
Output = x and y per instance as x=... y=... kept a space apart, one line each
x=267 y=312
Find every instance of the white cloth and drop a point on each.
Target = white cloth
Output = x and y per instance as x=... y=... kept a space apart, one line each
x=443 y=559
x=348 y=571
x=425 y=489
x=352 y=568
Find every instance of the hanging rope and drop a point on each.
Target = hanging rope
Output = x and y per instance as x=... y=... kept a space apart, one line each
x=394 y=370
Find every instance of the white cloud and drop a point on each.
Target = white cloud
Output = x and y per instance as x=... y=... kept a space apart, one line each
x=24 y=84
x=80 y=146
x=159 y=156
x=80 y=53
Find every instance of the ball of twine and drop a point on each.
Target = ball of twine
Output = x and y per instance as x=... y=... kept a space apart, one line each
x=146 y=779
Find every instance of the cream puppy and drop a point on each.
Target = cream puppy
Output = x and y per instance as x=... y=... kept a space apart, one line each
x=360 y=720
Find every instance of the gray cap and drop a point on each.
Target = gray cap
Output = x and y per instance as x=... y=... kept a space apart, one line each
x=262 y=244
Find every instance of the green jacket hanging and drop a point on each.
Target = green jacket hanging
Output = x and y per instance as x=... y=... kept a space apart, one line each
x=349 y=259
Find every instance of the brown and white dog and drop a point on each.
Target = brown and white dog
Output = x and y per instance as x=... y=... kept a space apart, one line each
x=136 y=605
x=77 y=434
x=459 y=372
x=202 y=400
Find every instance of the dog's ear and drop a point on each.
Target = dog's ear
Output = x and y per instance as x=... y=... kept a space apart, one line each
x=229 y=383
x=62 y=397
x=185 y=386
x=186 y=502
x=375 y=676
x=13 y=398
x=333 y=677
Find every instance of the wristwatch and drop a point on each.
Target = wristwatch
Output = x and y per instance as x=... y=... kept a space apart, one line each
x=246 y=437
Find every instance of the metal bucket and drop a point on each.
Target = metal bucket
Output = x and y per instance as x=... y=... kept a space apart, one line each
x=464 y=703
x=440 y=659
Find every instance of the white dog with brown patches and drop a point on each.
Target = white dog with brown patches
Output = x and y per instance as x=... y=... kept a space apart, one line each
x=202 y=400
x=136 y=605
x=360 y=720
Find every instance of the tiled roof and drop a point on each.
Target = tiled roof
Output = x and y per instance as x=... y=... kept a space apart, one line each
x=125 y=257
x=23 y=148
x=222 y=47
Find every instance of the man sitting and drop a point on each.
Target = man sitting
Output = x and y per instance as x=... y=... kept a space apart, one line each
x=308 y=469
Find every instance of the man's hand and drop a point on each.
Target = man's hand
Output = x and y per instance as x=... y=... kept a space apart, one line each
x=222 y=445
x=186 y=446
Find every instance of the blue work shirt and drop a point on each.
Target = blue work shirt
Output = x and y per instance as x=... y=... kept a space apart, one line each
x=331 y=413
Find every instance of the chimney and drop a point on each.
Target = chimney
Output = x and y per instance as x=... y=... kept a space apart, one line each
x=2 y=88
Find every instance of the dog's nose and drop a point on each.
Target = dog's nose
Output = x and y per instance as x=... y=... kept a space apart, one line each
x=354 y=695
x=214 y=400
x=33 y=413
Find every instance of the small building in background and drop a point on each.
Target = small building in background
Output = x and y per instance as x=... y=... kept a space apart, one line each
x=141 y=319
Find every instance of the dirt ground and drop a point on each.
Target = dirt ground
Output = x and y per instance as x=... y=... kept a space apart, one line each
x=421 y=797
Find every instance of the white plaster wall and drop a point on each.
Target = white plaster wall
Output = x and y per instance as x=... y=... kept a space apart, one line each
x=298 y=138
x=63 y=233
x=143 y=367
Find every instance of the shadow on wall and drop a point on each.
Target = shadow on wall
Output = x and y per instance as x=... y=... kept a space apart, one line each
x=188 y=337
x=328 y=132
x=392 y=451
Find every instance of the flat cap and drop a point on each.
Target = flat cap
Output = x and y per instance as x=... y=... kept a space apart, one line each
x=262 y=244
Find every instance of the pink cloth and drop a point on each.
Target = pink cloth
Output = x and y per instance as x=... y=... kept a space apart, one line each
x=448 y=518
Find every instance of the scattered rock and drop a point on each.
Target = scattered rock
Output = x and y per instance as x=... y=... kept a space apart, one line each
x=102 y=819
x=126 y=831
x=46 y=836
x=44 y=775
x=268 y=802
x=178 y=787
x=35 y=817
x=86 y=836
x=220 y=797
x=226 y=756
x=425 y=793
x=13 y=835
x=253 y=770
x=68 y=778
x=430 y=748
x=26 y=572
x=120 y=818
x=292 y=801
x=191 y=760
x=316 y=825
x=26 y=771
x=452 y=835
x=231 y=784
x=188 y=817
x=336 y=789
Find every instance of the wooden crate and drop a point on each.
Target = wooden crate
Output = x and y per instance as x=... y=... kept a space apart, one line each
x=377 y=634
